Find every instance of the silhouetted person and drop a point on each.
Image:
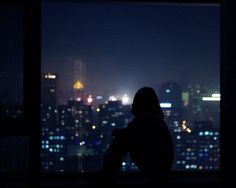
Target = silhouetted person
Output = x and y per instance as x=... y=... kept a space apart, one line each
x=146 y=138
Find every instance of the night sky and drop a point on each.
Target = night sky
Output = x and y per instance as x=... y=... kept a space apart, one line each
x=128 y=46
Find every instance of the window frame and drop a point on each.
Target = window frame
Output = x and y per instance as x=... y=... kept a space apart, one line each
x=30 y=123
x=31 y=97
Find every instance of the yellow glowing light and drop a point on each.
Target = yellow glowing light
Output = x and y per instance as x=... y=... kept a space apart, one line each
x=188 y=130
x=184 y=126
x=184 y=122
x=98 y=109
x=78 y=85
x=93 y=127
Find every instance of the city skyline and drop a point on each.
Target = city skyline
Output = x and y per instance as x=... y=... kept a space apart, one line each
x=128 y=46
x=205 y=93
x=94 y=58
x=75 y=135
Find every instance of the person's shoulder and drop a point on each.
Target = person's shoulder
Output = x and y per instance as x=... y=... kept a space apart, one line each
x=132 y=124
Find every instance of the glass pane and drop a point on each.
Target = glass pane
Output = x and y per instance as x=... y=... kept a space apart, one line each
x=14 y=155
x=11 y=58
x=94 y=59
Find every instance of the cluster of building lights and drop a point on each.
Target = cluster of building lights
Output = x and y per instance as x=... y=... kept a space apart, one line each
x=90 y=99
x=191 y=166
x=214 y=97
x=82 y=143
x=165 y=105
x=50 y=76
x=113 y=98
x=57 y=138
x=208 y=133
x=184 y=126
x=125 y=99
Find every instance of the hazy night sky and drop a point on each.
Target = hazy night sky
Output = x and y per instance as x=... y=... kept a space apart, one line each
x=128 y=46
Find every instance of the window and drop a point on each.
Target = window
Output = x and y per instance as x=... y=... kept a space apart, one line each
x=11 y=77
x=13 y=140
x=96 y=56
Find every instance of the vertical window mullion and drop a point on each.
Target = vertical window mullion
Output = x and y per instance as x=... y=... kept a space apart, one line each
x=32 y=64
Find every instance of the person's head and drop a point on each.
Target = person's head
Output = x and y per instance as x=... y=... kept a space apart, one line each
x=146 y=101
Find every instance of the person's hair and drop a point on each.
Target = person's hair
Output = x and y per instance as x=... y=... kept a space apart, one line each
x=145 y=101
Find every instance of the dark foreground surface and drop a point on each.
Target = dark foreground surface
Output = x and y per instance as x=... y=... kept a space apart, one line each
x=183 y=180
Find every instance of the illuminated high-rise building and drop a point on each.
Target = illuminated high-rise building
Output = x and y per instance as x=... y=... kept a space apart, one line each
x=79 y=71
x=49 y=89
x=52 y=135
x=205 y=107
x=208 y=145
x=79 y=80
x=78 y=91
x=195 y=133
x=81 y=134
x=113 y=115
x=171 y=92
x=201 y=149
x=170 y=95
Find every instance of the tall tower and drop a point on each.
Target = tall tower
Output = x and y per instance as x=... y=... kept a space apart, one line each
x=171 y=92
x=53 y=140
x=49 y=90
x=79 y=71
x=79 y=79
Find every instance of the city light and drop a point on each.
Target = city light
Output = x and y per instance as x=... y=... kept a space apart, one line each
x=82 y=143
x=165 y=105
x=99 y=97
x=52 y=90
x=125 y=99
x=210 y=98
x=78 y=99
x=78 y=85
x=112 y=98
x=95 y=132
x=184 y=126
x=90 y=99
x=50 y=76
x=217 y=95
x=188 y=130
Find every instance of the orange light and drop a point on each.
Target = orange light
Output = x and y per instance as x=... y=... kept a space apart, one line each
x=78 y=85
